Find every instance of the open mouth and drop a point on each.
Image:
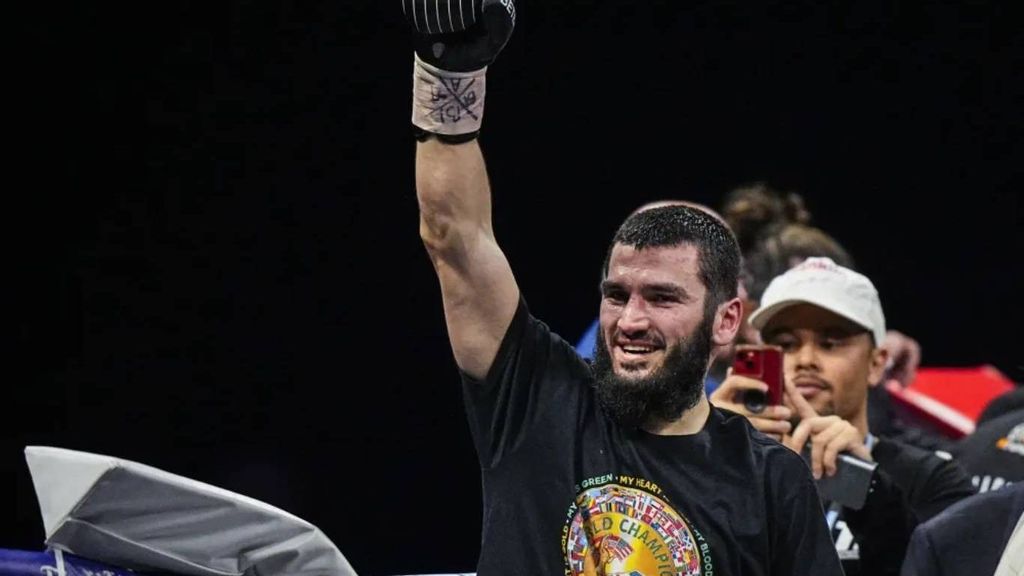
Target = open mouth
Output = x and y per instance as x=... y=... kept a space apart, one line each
x=634 y=356
x=636 y=350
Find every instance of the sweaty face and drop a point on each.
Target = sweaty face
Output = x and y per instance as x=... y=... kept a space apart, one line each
x=655 y=341
x=831 y=360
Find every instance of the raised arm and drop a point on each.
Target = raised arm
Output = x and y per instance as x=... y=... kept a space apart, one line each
x=455 y=42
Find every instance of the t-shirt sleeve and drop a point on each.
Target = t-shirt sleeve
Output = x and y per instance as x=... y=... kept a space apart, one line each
x=532 y=391
x=800 y=539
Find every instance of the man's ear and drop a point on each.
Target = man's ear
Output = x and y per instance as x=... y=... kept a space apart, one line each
x=876 y=371
x=727 y=322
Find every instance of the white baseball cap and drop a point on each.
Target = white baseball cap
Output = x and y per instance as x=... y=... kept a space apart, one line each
x=823 y=283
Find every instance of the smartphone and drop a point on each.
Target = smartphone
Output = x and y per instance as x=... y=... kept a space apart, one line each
x=762 y=362
x=850 y=484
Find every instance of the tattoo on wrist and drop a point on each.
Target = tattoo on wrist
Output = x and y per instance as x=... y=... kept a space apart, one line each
x=448 y=103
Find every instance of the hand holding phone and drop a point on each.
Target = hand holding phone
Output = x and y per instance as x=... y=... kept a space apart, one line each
x=850 y=485
x=841 y=463
x=764 y=363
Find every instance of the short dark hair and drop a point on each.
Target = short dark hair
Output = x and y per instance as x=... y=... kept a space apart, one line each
x=718 y=254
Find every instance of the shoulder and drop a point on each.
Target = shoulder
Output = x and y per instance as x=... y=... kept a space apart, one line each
x=732 y=428
x=996 y=510
x=530 y=341
x=767 y=453
x=1010 y=500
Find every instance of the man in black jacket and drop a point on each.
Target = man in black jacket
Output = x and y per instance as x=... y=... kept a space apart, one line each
x=829 y=323
x=975 y=537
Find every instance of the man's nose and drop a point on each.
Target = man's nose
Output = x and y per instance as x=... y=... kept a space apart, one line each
x=806 y=355
x=634 y=316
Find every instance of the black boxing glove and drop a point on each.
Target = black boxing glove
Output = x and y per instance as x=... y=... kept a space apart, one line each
x=455 y=41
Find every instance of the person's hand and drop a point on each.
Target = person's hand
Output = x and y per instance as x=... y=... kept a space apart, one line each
x=460 y=36
x=904 y=357
x=772 y=421
x=454 y=43
x=828 y=435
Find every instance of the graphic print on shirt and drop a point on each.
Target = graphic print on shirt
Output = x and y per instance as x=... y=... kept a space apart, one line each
x=625 y=526
x=1014 y=441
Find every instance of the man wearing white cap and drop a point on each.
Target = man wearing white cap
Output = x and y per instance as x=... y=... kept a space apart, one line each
x=829 y=323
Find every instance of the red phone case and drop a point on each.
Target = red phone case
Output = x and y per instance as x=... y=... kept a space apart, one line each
x=763 y=363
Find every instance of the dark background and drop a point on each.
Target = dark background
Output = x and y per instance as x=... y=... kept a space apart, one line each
x=216 y=262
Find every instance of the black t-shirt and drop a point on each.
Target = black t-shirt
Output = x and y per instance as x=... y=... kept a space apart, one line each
x=566 y=489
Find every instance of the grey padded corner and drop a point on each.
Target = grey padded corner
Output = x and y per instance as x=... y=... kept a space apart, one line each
x=135 y=516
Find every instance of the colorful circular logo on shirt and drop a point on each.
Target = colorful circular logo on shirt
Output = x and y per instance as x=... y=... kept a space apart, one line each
x=620 y=530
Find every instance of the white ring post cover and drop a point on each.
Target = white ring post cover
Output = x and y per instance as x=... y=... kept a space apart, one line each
x=135 y=516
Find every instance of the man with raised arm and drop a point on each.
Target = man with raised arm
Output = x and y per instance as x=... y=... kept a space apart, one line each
x=622 y=467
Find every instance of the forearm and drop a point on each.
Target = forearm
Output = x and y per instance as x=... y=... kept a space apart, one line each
x=453 y=194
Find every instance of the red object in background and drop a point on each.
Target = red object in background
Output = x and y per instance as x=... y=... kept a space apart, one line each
x=948 y=400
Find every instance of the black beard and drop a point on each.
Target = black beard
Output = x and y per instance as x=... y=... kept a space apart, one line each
x=666 y=394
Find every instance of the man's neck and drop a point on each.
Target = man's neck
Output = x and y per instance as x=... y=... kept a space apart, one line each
x=860 y=422
x=691 y=422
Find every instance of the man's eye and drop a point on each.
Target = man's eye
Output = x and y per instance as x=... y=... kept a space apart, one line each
x=616 y=297
x=785 y=343
x=832 y=342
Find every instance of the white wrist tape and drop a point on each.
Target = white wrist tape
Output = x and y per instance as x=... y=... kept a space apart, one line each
x=446 y=102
